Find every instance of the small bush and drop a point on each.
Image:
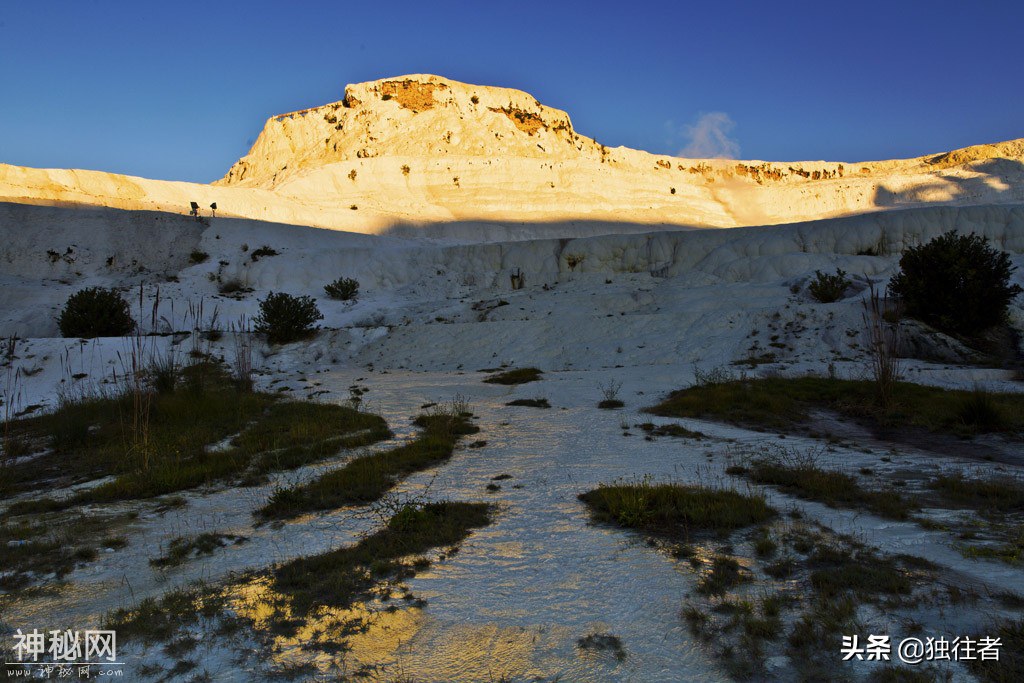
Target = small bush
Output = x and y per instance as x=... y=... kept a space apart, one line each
x=232 y=286
x=955 y=283
x=285 y=318
x=611 y=395
x=344 y=288
x=725 y=573
x=530 y=403
x=198 y=256
x=603 y=642
x=980 y=411
x=829 y=288
x=96 y=312
x=265 y=250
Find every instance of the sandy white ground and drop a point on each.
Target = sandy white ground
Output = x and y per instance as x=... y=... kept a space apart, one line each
x=643 y=309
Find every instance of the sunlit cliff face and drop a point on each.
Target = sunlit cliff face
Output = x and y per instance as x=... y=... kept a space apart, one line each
x=422 y=149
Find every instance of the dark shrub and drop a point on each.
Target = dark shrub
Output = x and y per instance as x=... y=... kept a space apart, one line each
x=265 y=250
x=95 y=312
x=980 y=411
x=829 y=288
x=955 y=283
x=344 y=288
x=285 y=318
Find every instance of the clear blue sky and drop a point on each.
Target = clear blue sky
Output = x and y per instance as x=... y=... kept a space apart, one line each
x=179 y=90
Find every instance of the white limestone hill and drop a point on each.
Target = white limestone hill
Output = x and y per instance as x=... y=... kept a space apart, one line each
x=425 y=155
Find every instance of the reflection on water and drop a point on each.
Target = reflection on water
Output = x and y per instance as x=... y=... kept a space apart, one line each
x=515 y=599
x=360 y=638
x=380 y=639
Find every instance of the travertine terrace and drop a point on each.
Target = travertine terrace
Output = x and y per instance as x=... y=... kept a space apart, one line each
x=487 y=234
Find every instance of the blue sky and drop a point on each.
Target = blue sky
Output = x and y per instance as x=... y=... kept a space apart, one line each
x=180 y=90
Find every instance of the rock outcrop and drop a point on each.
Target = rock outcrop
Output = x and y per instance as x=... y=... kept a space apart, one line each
x=422 y=151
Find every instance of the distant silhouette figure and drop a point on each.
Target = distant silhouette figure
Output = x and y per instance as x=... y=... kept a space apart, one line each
x=194 y=211
x=213 y=209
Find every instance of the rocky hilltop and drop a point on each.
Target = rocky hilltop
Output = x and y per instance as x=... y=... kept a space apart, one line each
x=422 y=151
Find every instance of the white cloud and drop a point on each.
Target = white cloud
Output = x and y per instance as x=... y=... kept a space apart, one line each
x=709 y=138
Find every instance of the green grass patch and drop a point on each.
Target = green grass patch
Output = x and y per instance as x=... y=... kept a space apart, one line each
x=724 y=575
x=154 y=443
x=841 y=571
x=994 y=495
x=339 y=577
x=675 y=430
x=782 y=403
x=368 y=477
x=1009 y=549
x=804 y=479
x=517 y=376
x=675 y=509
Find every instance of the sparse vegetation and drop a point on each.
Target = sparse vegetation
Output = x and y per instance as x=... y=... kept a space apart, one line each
x=285 y=318
x=610 y=392
x=785 y=403
x=301 y=587
x=182 y=549
x=574 y=260
x=1004 y=494
x=205 y=408
x=821 y=578
x=338 y=577
x=1010 y=549
x=1010 y=664
x=800 y=475
x=956 y=283
x=232 y=285
x=96 y=312
x=603 y=642
x=518 y=376
x=828 y=288
x=882 y=343
x=675 y=430
x=368 y=477
x=530 y=403
x=38 y=547
x=197 y=257
x=263 y=252
x=723 y=575
x=343 y=289
x=980 y=411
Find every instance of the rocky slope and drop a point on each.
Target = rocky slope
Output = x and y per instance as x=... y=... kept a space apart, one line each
x=420 y=151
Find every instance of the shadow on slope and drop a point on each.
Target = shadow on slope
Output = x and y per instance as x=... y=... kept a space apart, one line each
x=1000 y=183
